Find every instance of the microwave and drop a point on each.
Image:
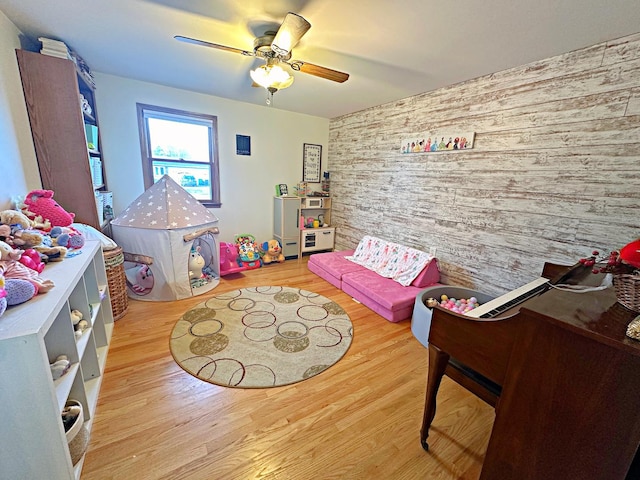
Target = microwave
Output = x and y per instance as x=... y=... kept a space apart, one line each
x=309 y=202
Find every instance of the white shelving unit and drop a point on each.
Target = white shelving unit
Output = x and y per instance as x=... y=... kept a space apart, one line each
x=32 y=336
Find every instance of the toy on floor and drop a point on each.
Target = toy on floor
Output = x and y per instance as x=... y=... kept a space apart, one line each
x=248 y=251
x=196 y=264
x=140 y=279
x=229 y=259
x=272 y=252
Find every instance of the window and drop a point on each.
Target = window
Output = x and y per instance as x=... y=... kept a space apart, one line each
x=182 y=145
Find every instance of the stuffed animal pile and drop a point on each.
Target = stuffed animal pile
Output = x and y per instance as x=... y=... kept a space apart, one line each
x=38 y=233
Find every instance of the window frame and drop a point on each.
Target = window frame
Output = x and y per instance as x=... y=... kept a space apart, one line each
x=145 y=111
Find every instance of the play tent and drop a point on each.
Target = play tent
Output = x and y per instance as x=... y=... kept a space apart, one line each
x=170 y=244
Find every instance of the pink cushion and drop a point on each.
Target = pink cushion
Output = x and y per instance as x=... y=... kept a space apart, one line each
x=384 y=291
x=428 y=276
x=332 y=265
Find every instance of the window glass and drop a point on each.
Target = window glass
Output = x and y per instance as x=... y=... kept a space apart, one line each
x=182 y=145
x=172 y=139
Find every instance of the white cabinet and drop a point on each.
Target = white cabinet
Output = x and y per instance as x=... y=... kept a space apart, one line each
x=286 y=225
x=314 y=239
x=32 y=336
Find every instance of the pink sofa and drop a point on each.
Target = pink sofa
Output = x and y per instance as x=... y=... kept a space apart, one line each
x=384 y=296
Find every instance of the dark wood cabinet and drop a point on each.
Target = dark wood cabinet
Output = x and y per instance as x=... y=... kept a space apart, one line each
x=52 y=88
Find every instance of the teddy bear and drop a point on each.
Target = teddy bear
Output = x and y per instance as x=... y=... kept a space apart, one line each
x=272 y=252
x=15 y=217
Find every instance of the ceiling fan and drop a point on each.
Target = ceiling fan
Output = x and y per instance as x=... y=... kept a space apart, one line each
x=276 y=48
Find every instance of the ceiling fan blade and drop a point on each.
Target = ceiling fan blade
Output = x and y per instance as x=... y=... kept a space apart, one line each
x=318 y=71
x=289 y=34
x=213 y=45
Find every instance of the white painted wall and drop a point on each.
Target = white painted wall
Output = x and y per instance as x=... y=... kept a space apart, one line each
x=247 y=182
x=18 y=166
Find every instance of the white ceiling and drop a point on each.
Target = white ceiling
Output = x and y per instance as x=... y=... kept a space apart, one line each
x=391 y=51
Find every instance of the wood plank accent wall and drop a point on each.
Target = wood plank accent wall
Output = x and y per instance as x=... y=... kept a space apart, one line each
x=554 y=172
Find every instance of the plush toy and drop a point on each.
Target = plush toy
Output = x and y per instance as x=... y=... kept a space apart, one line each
x=52 y=253
x=60 y=366
x=31 y=258
x=3 y=296
x=67 y=237
x=25 y=238
x=272 y=252
x=7 y=253
x=17 y=237
x=196 y=263
x=140 y=279
x=5 y=233
x=15 y=217
x=79 y=325
x=13 y=269
x=14 y=292
x=40 y=203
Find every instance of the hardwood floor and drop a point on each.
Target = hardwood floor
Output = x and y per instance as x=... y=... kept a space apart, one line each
x=360 y=419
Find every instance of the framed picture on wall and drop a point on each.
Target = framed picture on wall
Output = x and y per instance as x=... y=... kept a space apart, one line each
x=282 y=190
x=311 y=160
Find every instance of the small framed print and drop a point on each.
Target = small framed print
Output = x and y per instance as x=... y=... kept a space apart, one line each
x=282 y=190
x=311 y=160
x=243 y=145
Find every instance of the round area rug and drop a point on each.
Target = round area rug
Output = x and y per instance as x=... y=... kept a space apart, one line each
x=261 y=337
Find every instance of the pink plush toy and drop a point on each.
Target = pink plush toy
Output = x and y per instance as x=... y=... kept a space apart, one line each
x=31 y=258
x=40 y=203
x=11 y=268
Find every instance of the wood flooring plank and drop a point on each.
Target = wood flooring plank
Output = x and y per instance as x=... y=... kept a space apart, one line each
x=360 y=419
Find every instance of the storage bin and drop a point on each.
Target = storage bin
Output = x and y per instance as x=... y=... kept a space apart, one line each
x=114 y=265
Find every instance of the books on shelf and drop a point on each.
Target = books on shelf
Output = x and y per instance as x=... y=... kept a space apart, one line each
x=57 y=48
x=54 y=48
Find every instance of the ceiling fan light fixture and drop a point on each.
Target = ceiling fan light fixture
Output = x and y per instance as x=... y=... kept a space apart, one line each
x=271 y=77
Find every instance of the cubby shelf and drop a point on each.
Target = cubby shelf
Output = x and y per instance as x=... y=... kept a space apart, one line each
x=32 y=336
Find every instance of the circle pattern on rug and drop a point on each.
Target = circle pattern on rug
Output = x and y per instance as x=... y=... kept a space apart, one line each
x=261 y=337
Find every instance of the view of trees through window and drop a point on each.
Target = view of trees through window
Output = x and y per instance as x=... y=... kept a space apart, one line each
x=182 y=145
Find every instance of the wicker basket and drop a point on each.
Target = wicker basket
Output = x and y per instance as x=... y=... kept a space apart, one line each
x=627 y=289
x=114 y=264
